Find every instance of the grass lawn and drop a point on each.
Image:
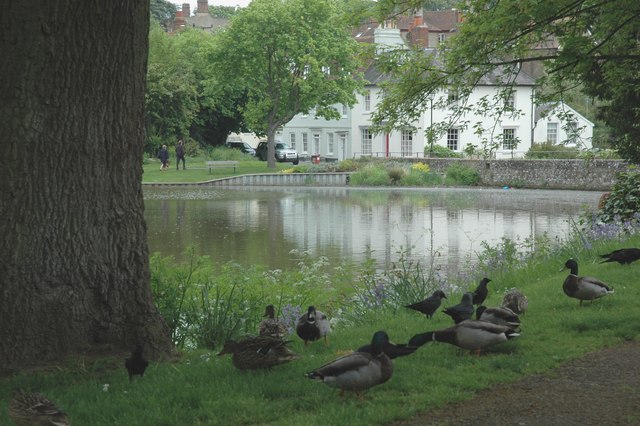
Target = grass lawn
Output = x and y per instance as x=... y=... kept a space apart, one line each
x=198 y=172
x=203 y=389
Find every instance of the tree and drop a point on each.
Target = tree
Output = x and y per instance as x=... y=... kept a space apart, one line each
x=75 y=270
x=290 y=56
x=163 y=12
x=599 y=49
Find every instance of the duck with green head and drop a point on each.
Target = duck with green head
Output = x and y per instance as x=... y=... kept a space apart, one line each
x=357 y=371
x=583 y=288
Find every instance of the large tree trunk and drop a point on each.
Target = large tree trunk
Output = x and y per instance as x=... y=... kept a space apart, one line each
x=74 y=274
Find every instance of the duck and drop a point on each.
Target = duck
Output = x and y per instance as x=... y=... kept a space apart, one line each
x=498 y=315
x=473 y=335
x=27 y=409
x=463 y=310
x=357 y=371
x=137 y=363
x=272 y=326
x=583 y=288
x=515 y=300
x=429 y=305
x=622 y=256
x=481 y=292
x=312 y=326
x=258 y=352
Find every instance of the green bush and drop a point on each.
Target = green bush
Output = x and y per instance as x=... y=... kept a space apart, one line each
x=550 y=150
x=371 y=175
x=459 y=174
x=396 y=174
x=223 y=153
x=624 y=199
x=416 y=177
x=440 y=151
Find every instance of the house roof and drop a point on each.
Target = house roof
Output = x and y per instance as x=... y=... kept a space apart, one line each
x=441 y=20
x=547 y=109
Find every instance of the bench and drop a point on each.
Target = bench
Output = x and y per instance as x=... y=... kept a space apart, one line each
x=218 y=164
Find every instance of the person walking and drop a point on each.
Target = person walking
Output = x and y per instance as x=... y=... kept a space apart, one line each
x=180 y=155
x=163 y=155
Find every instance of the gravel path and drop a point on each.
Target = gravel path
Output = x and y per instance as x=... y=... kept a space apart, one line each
x=600 y=388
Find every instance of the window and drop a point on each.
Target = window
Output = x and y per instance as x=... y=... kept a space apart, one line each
x=510 y=101
x=367 y=102
x=552 y=133
x=316 y=143
x=366 y=141
x=330 y=143
x=406 y=143
x=442 y=37
x=453 y=139
x=305 y=143
x=572 y=131
x=345 y=110
x=453 y=97
x=509 y=139
x=292 y=140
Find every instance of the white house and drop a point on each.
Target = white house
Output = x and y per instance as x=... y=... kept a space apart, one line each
x=561 y=124
x=507 y=136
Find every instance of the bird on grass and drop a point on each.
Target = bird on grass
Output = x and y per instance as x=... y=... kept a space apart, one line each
x=272 y=326
x=136 y=364
x=392 y=350
x=481 y=292
x=498 y=315
x=583 y=288
x=472 y=335
x=28 y=409
x=429 y=305
x=258 y=352
x=313 y=325
x=515 y=300
x=622 y=256
x=357 y=371
x=463 y=310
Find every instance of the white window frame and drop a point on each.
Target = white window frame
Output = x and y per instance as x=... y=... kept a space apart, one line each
x=366 y=101
x=305 y=142
x=366 y=141
x=406 y=143
x=315 y=137
x=330 y=143
x=552 y=132
x=509 y=139
x=453 y=139
x=292 y=140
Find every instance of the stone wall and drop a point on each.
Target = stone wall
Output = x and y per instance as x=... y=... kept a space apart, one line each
x=596 y=175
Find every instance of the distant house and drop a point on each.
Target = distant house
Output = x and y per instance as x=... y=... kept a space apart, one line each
x=201 y=19
x=561 y=124
x=510 y=136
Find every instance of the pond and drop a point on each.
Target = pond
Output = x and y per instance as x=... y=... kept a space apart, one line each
x=275 y=226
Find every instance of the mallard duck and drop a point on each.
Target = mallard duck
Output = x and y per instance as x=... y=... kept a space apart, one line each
x=463 y=310
x=357 y=371
x=258 y=352
x=498 y=315
x=583 y=288
x=312 y=326
x=429 y=305
x=481 y=292
x=137 y=363
x=622 y=256
x=473 y=335
x=28 y=409
x=515 y=300
x=271 y=326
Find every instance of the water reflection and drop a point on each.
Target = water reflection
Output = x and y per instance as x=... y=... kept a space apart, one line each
x=264 y=225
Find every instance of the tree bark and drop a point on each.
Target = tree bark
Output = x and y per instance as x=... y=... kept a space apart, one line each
x=74 y=274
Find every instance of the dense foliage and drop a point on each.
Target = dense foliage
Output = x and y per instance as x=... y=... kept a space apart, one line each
x=624 y=200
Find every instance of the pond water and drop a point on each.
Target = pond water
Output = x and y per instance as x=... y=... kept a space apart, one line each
x=274 y=226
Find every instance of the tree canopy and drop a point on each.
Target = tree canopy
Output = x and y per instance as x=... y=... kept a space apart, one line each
x=290 y=56
x=598 y=49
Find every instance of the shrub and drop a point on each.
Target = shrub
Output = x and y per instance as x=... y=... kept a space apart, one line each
x=439 y=151
x=421 y=167
x=624 y=200
x=347 y=166
x=371 y=175
x=224 y=153
x=459 y=174
x=420 y=175
x=396 y=174
x=550 y=150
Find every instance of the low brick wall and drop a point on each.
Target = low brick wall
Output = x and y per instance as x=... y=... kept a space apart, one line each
x=595 y=175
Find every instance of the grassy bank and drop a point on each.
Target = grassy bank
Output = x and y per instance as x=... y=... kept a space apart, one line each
x=203 y=389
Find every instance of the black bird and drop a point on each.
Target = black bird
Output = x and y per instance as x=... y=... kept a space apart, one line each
x=429 y=305
x=481 y=292
x=622 y=256
x=463 y=310
x=137 y=363
x=392 y=350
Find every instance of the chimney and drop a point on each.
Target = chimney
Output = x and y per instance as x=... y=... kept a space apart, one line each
x=203 y=7
x=179 y=22
x=186 y=10
x=420 y=36
x=418 y=18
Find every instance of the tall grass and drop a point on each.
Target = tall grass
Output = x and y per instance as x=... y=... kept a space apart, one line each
x=203 y=389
